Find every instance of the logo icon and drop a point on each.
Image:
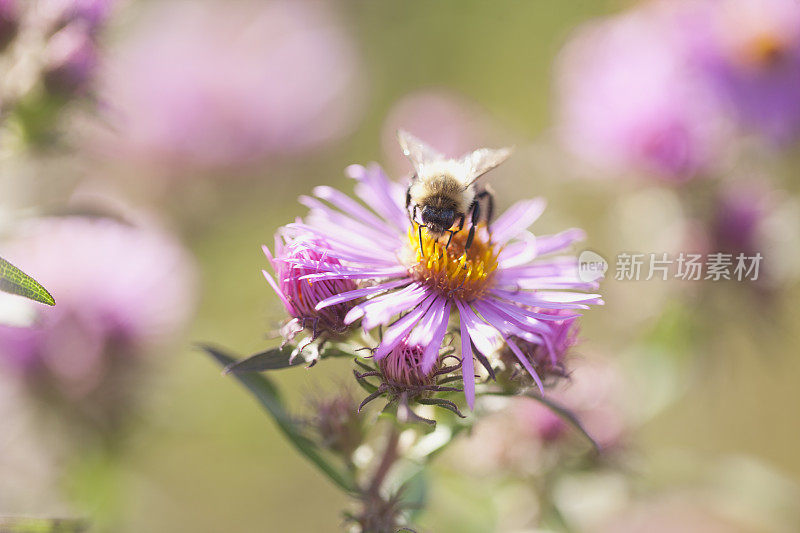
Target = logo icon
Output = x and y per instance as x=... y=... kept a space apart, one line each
x=591 y=266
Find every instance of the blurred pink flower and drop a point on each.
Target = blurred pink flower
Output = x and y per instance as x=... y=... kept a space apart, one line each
x=751 y=54
x=592 y=393
x=737 y=226
x=447 y=120
x=121 y=292
x=687 y=512
x=628 y=100
x=92 y=14
x=71 y=60
x=208 y=84
x=9 y=22
x=524 y=436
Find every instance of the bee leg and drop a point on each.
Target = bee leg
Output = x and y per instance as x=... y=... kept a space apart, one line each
x=489 y=196
x=476 y=215
x=470 y=236
x=460 y=227
x=450 y=238
x=411 y=212
x=421 y=249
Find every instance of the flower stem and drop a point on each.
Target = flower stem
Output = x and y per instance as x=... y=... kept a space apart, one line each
x=388 y=459
x=381 y=514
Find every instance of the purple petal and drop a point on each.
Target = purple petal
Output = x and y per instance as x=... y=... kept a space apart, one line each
x=553 y=243
x=423 y=333
x=379 y=313
x=514 y=281
x=355 y=274
x=516 y=219
x=518 y=253
x=339 y=220
x=485 y=337
x=397 y=331
x=507 y=324
x=358 y=293
x=347 y=240
x=384 y=195
x=526 y=363
x=276 y=289
x=352 y=208
x=398 y=301
x=467 y=366
x=431 y=352
x=549 y=300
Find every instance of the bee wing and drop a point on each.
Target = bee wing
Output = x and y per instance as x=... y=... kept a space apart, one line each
x=482 y=161
x=416 y=150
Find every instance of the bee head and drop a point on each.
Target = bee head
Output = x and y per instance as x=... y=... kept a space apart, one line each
x=438 y=220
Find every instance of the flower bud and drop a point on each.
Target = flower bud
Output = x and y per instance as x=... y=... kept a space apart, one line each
x=402 y=368
x=737 y=226
x=547 y=358
x=9 y=22
x=71 y=61
x=337 y=423
x=294 y=259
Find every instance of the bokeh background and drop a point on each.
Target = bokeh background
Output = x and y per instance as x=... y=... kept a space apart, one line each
x=201 y=122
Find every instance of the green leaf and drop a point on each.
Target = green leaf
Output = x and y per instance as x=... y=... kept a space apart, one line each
x=444 y=404
x=42 y=525
x=15 y=281
x=364 y=384
x=414 y=493
x=274 y=359
x=267 y=394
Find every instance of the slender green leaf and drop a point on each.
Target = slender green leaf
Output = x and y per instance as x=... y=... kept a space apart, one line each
x=15 y=281
x=414 y=493
x=268 y=396
x=274 y=359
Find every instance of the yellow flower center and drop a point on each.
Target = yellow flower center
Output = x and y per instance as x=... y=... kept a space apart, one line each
x=452 y=270
x=763 y=50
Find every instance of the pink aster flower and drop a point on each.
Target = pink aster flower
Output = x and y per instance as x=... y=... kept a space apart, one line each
x=494 y=290
x=403 y=366
x=548 y=360
x=299 y=295
x=592 y=393
x=210 y=84
x=630 y=101
x=750 y=53
x=122 y=292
